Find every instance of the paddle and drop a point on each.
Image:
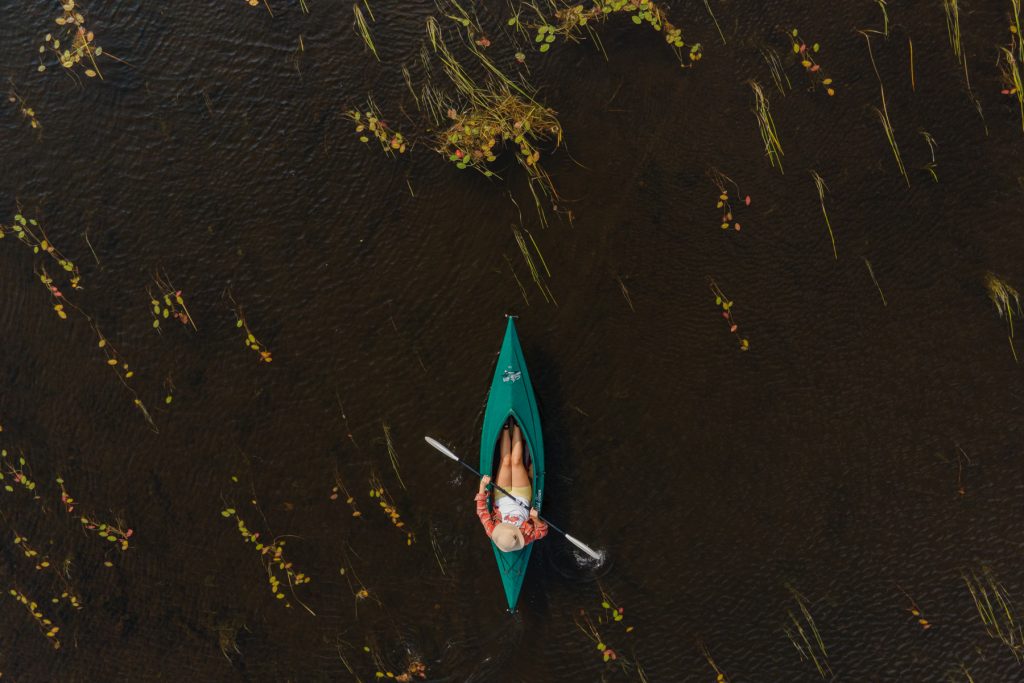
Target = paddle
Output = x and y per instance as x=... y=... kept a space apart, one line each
x=575 y=541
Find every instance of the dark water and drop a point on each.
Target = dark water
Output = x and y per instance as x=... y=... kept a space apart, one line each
x=826 y=459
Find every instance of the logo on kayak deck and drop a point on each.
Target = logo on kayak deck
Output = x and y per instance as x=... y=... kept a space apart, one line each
x=510 y=376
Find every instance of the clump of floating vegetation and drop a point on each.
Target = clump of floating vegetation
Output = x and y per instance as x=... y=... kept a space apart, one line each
x=995 y=609
x=73 y=44
x=1005 y=298
x=113 y=532
x=27 y=112
x=809 y=62
x=822 y=188
x=915 y=612
x=724 y=202
x=805 y=637
x=251 y=341
x=387 y=505
x=369 y=122
x=31 y=553
x=273 y=559
x=17 y=474
x=1011 y=61
x=766 y=126
x=610 y=620
x=29 y=232
x=723 y=302
x=44 y=623
x=168 y=303
x=573 y=21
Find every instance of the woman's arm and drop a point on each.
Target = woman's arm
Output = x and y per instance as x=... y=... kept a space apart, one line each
x=481 y=506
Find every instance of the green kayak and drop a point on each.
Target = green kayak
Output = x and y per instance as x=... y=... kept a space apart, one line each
x=511 y=395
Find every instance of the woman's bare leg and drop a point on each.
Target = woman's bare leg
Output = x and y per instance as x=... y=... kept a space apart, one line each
x=504 y=478
x=519 y=476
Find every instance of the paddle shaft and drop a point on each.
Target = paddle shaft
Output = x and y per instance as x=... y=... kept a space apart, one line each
x=477 y=473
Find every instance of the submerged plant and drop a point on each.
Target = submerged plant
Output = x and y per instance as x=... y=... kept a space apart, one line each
x=17 y=473
x=1005 y=298
x=73 y=44
x=30 y=233
x=915 y=612
x=952 y=10
x=538 y=279
x=995 y=609
x=805 y=637
x=766 y=126
x=363 y=29
x=27 y=112
x=883 y=115
x=273 y=559
x=809 y=62
x=723 y=302
x=113 y=532
x=370 y=123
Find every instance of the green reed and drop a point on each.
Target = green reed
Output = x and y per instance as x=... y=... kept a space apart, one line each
x=1005 y=298
x=952 y=10
x=538 y=279
x=885 y=16
x=363 y=29
x=871 y=272
x=392 y=455
x=720 y=676
x=805 y=637
x=931 y=165
x=822 y=188
x=883 y=115
x=766 y=126
x=995 y=609
x=1011 y=60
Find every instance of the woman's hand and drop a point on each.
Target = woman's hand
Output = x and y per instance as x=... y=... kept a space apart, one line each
x=534 y=514
x=484 y=482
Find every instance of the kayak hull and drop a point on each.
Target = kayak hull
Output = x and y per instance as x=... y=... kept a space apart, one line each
x=511 y=395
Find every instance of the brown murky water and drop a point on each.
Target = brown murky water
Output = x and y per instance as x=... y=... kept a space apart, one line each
x=858 y=450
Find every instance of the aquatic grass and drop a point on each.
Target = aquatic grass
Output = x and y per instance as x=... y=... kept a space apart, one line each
x=272 y=557
x=625 y=293
x=392 y=455
x=1011 y=60
x=952 y=11
x=995 y=609
x=251 y=341
x=387 y=505
x=524 y=249
x=766 y=126
x=370 y=122
x=168 y=302
x=1005 y=298
x=726 y=304
x=435 y=545
x=73 y=44
x=822 y=188
x=885 y=16
x=883 y=115
x=522 y=290
x=806 y=53
x=931 y=165
x=724 y=201
x=45 y=624
x=707 y=6
x=871 y=272
x=775 y=68
x=363 y=29
x=910 y=46
x=805 y=637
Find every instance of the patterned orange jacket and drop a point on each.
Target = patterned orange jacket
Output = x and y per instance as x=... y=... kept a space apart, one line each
x=533 y=530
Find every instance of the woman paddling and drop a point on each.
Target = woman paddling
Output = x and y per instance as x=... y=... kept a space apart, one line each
x=512 y=524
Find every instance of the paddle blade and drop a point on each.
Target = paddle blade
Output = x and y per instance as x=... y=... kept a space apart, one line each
x=441 y=447
x=583 y=546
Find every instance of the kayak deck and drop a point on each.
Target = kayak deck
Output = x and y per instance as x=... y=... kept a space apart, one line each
x=511 y=395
